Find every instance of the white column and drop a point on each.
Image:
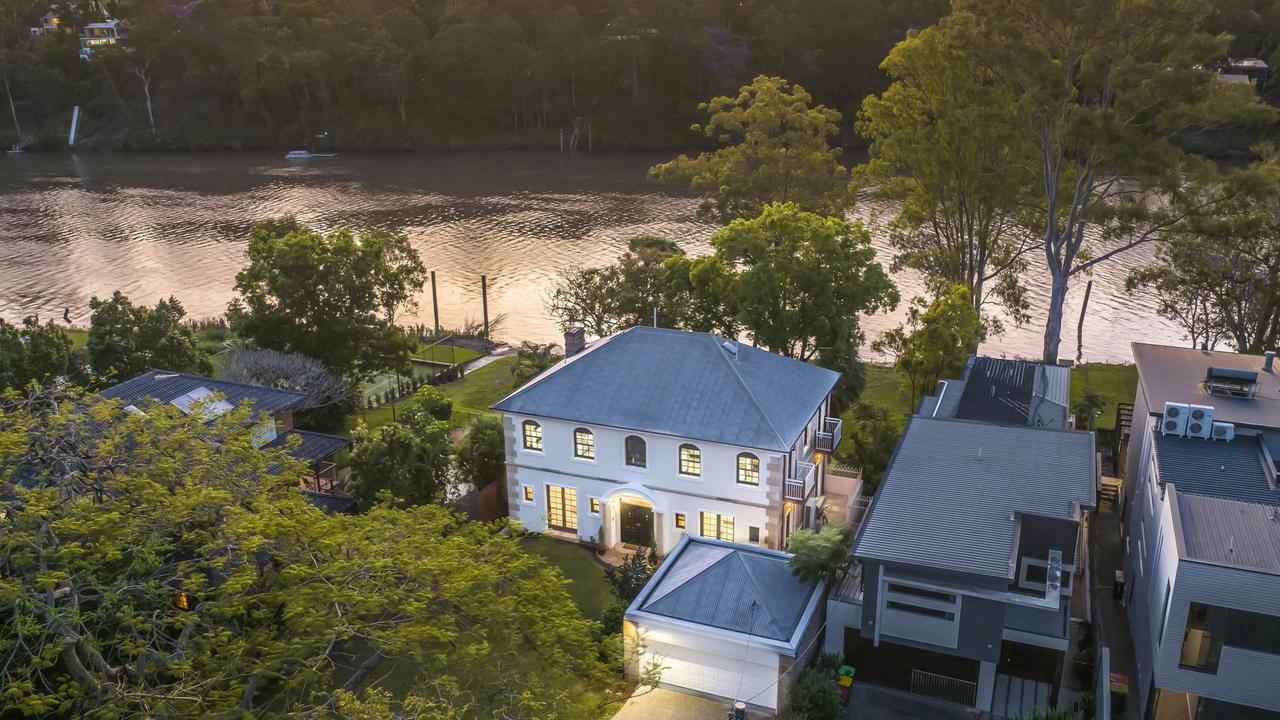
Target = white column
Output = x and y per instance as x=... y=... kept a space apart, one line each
x=986 y=685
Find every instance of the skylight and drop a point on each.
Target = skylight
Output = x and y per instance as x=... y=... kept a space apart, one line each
x=202 y=399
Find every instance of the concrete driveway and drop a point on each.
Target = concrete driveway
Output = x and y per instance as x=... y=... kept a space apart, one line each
x=873 y=702
x=664 y=704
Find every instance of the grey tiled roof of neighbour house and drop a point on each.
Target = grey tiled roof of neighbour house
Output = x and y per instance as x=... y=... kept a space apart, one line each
x=1228 y=532
x=731 y=587
x=312 y=446
x=955 y=492
x=1235 y=470
x=165 y=387
x=685 y=384
x=1176 y=374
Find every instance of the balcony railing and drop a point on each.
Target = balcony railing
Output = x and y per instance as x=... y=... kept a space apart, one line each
x=801 y=484
x=827 y=439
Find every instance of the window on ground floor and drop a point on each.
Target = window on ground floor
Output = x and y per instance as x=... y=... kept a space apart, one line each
x=562 y=507
x=753 y=534
x=595 y=506
x=679 y=521
x=717 y=525
x=528 y=493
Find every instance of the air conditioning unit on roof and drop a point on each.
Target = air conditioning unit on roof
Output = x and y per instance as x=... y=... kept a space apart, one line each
x=1199 y=421
x=1174 y=421
x=1224 y=431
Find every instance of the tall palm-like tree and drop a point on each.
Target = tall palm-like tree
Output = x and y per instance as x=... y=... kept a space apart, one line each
x=532 y=359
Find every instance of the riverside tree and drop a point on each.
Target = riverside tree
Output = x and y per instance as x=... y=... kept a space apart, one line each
x=777 y=148
x=334 y=297
x=798 y=283
x=126 y=340
x=1216 y=278
x=38 y=353
x=935 y=341
x=618 y=296
x=940 y=148
x=161 y=565
x=1097 y=111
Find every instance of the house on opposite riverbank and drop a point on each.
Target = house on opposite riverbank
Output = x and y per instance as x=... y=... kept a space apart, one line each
x=325 y=486
x=651 y=433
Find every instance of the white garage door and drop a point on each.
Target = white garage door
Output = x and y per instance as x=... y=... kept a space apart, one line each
x=723 y=676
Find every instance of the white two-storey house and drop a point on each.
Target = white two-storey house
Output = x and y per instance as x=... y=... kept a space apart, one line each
x=652 y=433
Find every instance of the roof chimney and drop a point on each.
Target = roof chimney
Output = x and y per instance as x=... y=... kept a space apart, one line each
x=575 y=341
x=1270 y=360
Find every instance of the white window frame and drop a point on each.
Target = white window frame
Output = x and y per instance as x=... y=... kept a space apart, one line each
x=528 y=496
x=733 y=520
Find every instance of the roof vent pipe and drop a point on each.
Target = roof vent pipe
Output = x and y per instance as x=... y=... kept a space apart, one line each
x=1269 y=361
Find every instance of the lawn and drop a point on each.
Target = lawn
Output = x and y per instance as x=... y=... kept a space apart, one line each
x=587 y=584
x=1113 y=383
x=448 y=354
x=482 y=387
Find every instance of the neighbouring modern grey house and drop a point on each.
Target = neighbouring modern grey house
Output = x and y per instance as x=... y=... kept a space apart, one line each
x=1202 y=532
x=649 y=434
x=325 y=487
x=727 y=621
x=966 y=564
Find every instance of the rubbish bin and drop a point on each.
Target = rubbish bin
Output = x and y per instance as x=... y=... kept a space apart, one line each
x=1117 y=587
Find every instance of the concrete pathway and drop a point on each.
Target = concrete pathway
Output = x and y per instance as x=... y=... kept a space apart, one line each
x=1110 y=621
x=486 y=359
x=874 y=702
x=664 y=704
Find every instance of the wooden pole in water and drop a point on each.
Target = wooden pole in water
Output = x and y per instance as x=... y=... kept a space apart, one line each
x=435 y=306
x=1080 y=328
x=588 y=138
x=561 y=139
x=484 y=299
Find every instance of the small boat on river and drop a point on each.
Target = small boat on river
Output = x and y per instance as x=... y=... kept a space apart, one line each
x=307 y=155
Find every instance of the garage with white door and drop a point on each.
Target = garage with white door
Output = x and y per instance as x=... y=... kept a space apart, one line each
x=723 y=620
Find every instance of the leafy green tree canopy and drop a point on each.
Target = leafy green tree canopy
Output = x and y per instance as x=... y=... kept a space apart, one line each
x=940 y=149
x=776 y=149
x=409 y=461
x=872 y=433
x=820 y=555
x=482 y=455
x=126 y=340
x=615 y=297
x=161 y=565
x=38 y=353
x=935 y=342
x=333 y=297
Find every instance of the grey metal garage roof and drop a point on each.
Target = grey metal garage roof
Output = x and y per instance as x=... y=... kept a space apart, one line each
x=1234 y=470
x=1230 y=532
x=686 y=384
x=955 y=490
x=728 y=586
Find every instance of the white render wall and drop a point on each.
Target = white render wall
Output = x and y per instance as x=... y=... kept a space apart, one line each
x=609 y=478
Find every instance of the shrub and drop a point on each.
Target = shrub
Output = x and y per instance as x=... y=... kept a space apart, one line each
x=815 y=697
x=611 y=618
x=629 y=578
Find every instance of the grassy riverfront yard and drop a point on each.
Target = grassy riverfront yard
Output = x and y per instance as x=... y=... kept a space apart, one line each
x=587 y=585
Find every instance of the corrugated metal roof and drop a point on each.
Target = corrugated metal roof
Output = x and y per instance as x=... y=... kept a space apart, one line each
x=731 y=587
x=1235 y=470
x=1230 y=532
x=312 y=446
x=1011 y=392
x=686 y=384
x=164 y=386
x=1176 y=374
x=954 y=492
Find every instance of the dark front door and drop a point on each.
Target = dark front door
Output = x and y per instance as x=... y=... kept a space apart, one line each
x=637 y=525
